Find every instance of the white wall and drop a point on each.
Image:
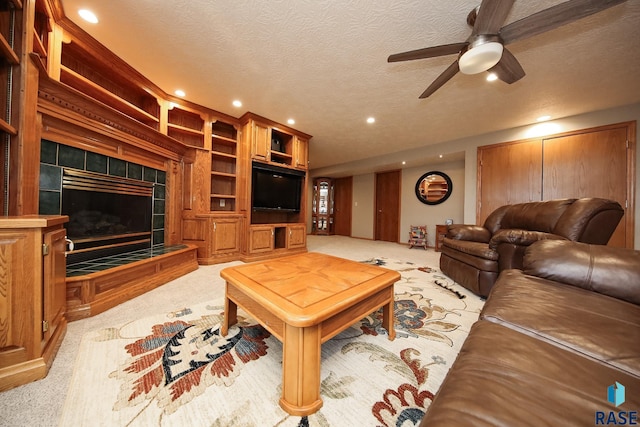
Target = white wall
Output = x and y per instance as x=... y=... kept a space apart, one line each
x=363 y=206
x=466 y=186
x=415 y=212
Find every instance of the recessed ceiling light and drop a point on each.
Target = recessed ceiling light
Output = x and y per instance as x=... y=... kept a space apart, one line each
x=371 y=120
x=291 y=122
x=88 y=16
x=404 y=163
x=491 y=77
x=180 y=92
x=237 y=103
x=543 y=118
x=440 y=156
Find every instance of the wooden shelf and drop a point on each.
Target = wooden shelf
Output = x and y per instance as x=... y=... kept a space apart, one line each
x=7 y=52
x=223 y=196
x=7 y=128
x=224 y=138
x=223 y=174
x=86 y=86
x=185 y=130
x=38 y=47
x=222 y=154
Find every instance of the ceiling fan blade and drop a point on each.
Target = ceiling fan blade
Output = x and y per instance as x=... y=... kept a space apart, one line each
x=508 y=69
x=491 y=16
x=427 y=52
x=451 y=71
x=553 y=17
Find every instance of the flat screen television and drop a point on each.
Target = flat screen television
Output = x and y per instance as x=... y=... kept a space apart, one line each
x=276 y=189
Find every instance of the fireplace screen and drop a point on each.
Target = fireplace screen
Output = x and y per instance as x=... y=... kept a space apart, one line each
x=107 y=215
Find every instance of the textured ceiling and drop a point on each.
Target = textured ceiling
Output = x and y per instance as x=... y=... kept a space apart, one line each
x=323 y=62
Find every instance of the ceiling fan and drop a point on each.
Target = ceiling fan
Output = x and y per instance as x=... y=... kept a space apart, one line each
x=485 y=49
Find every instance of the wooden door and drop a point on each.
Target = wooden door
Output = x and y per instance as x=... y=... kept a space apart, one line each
x=54 y=281
x=387 y=205
x=343 y=193
x=507 y=174
x=592 y=164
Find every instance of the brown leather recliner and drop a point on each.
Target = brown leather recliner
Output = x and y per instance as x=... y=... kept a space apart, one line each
x=473 y=255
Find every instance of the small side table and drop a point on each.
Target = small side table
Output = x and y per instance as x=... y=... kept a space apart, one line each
x=441 y=233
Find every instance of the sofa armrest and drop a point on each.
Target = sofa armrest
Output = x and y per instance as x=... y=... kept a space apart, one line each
x=473 y=233
x=520 y=237
x=607 y=270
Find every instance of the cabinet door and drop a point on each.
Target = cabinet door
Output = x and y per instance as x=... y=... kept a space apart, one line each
x=261 y=142
x=297 y=236
x=301 y=153
x=54 y=284
x=261 y=239
x=226 y=236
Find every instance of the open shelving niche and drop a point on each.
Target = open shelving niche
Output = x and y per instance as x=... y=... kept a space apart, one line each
x=85 y=73
x=281 y=147
x=224 y=159
x=185 y=126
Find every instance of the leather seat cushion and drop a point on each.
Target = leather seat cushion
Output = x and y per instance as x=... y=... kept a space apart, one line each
x=602 y=328
x=505 y=378
x=478 y=249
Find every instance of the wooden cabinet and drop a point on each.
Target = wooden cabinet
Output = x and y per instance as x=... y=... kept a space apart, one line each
x=269 y=239
x=301 y=153
x=32 y=296
x=260 y=141
x=217 y=237
x=441 y=233
x=322 y=209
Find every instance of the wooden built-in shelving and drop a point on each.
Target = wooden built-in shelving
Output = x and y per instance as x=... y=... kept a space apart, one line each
x=224 y=160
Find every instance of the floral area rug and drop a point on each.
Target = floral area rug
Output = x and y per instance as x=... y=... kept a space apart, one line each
x=175 y=369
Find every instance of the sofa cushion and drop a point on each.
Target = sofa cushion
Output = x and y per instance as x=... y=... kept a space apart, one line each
x=504 y=378
x=604 y=329
x=610 y=271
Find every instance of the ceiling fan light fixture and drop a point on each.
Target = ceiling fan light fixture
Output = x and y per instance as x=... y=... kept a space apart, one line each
x=480 y=58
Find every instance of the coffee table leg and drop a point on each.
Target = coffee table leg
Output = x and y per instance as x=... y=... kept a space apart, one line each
x=387 y=318
x=301 y=370
x=230 y=316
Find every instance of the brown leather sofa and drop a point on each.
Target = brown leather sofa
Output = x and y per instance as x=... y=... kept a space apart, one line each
x=549 y=343
x=473 y=256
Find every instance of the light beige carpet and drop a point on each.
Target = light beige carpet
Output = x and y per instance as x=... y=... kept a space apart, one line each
x=174 y=369
x=40 y=403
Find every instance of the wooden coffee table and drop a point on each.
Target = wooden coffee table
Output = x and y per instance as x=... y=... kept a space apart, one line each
x=304 y=300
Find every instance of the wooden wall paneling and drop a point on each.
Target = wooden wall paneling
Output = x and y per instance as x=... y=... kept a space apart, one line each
x=508 y=173
x=593 y=163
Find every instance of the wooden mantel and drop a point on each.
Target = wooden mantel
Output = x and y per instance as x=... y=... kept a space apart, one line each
x=100 y=128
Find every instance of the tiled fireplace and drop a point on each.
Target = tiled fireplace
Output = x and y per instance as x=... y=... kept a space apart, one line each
x=114 y=206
